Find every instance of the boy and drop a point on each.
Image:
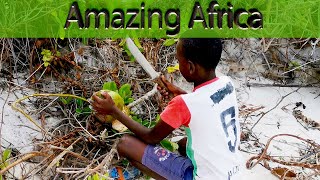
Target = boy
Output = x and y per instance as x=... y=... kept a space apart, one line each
x=209 y=113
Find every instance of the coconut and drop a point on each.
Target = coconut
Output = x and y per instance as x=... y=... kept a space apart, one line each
x=118 y=101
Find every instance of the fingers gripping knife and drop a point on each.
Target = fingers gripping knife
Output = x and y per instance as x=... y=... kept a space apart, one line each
x=155 y=76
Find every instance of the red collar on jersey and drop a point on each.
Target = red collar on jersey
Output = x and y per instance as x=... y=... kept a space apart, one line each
x=205 y=83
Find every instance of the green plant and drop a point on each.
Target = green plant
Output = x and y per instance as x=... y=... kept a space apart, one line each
x=124 y=91
x=48 y=56
x=172 y=69
x=146 y=123
x=98 y=177
x=66 y=101
x=294 y=64
x=169 y=42
x=81 y=109
x=169 y=145
x=4 y=163
x=125 y=48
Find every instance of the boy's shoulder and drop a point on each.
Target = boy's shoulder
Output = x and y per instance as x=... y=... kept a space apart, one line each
x=221 y=87
x=215 y=84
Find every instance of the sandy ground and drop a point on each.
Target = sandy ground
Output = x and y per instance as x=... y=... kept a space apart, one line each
x=278 y=121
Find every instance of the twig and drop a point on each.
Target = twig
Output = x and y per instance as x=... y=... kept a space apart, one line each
x=83 y=127
x=24 y=158
x=14 y=106
x=278 y=85
x=264 y=113
x=265 y=58
x=264 y=155
x=300 y=66
x=49 y=104
x=105 y=162
x=266 y=47
x=55 y=160
x=2 y=115
x=70 y=152
x=145 y=97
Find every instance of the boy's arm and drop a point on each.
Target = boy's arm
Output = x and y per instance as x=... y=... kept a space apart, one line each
x=149 y=136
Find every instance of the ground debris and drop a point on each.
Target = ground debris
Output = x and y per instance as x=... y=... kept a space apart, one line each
x=298 y=114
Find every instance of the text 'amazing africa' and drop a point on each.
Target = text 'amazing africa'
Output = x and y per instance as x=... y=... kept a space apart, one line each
x=213 y=15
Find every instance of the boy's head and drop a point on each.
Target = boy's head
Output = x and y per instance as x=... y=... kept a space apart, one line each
x=198 y=56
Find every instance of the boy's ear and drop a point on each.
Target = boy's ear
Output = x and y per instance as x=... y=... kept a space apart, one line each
x=192 y=67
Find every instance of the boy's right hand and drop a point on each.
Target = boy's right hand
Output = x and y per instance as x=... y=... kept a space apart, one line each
x=170 y=87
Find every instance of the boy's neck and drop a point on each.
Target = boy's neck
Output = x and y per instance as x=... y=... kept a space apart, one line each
x=204 y=77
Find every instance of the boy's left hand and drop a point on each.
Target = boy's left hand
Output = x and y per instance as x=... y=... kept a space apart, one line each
x=103 y=106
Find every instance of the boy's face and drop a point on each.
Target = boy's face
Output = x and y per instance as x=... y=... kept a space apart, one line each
x=184 y=65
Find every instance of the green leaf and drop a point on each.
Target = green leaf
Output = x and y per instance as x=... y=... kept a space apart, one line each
x=171 y=146
x=128 y=101
x=79 y=103
x=125 y=162
x=78 y=111
x=87 y=110
x=126 y=93
x=106 y=174
x=66 y=101
x=6 y=155
x=129 y=53
x=58 y=53
x=294 y=64
x=47 y=57
x=96 y=177
x=137 y=43
x=172 y=69
x=169 y=42
x=158 y=118
x=139 y=120
x=112 y=86
x=63 y=100
x=46 y=64
x=132 y=59
x=89 y=178
x=148 y=123
x=122 y=43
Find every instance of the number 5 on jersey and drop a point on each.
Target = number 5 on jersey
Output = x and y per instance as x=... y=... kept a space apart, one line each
x=232 y=123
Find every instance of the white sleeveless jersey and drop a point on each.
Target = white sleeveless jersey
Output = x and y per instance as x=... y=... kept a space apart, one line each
x=210 y=114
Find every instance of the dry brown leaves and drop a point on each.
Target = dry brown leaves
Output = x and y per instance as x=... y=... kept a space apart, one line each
x=300 y=117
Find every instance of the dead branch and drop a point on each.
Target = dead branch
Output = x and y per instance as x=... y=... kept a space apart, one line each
x=58 y=158
x=265 y=157
x=146 y=96
x=24 y=158
x=279 y=85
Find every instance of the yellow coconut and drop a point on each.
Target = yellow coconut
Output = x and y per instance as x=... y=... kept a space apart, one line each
x=118 y=101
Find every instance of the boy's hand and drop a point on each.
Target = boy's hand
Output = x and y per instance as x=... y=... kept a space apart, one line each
x=169 y=86
x=103 y=106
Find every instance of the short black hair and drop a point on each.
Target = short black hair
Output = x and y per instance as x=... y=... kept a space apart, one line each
x=203 y=51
